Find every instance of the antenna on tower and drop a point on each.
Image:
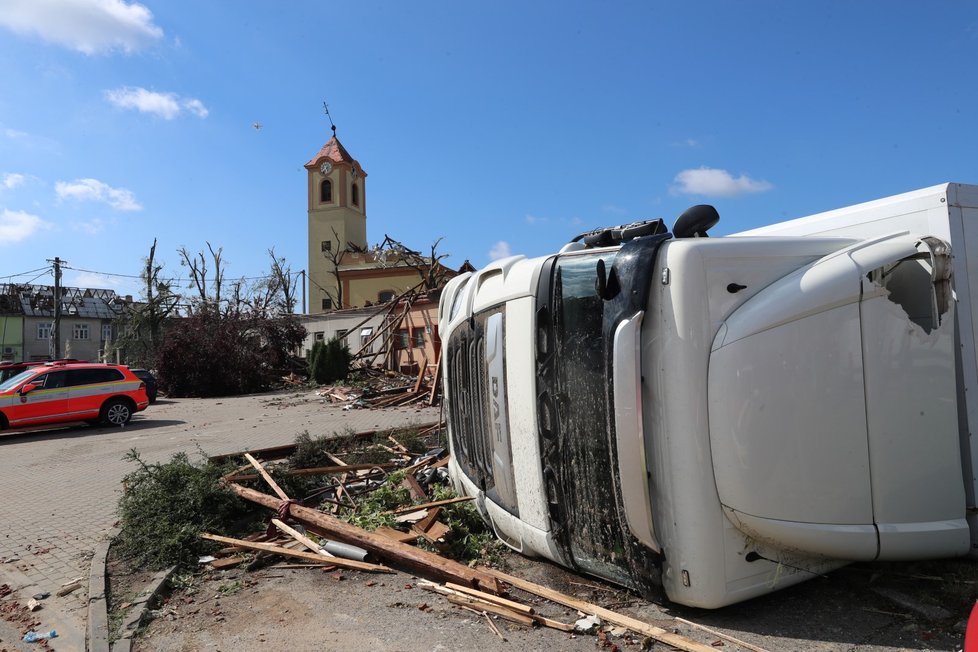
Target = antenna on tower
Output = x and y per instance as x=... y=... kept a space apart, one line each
x=331 y=125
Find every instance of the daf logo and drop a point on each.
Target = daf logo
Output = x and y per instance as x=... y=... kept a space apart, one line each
x=496 y=422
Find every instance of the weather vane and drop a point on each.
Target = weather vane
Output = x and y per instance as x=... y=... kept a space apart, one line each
x=331 y=125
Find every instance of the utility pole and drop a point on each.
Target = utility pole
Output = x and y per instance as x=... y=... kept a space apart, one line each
x=56 y=326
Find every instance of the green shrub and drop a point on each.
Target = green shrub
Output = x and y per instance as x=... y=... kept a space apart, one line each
x=167 y=506
x=313 y=358
x=331 y=362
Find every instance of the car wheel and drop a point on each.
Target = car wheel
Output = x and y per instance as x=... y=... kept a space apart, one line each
x=116 y=412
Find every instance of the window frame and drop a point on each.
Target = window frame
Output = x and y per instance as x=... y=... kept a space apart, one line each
x=326 y=192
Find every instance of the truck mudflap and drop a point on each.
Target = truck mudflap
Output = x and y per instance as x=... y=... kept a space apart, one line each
x=577 y=423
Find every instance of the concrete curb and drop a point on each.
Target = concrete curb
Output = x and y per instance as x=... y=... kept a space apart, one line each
x=140 y=607
x=97 y=636
x=98 y=605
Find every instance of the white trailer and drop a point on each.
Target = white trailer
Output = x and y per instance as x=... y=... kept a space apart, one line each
x=724 y=416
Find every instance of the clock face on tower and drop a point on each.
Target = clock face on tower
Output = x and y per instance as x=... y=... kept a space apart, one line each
x=326 y=167
x=353 y=173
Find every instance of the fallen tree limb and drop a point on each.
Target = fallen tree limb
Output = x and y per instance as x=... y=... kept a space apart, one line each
x=675 y=640
x=420 y=561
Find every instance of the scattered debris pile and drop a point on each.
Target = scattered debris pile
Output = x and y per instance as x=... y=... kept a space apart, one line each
x=372 y=501
x=374 y=388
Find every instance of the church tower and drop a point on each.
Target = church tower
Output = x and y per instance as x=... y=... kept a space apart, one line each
x=337 y=220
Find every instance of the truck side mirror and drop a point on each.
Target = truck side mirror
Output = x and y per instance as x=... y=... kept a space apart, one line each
x=28 y=388
x=696 y=221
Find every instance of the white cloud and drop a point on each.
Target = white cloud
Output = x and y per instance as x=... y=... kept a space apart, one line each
x=532 y=219
x=12 y=180
x=196 y=107
x=165 y=105
x=95 y=190
x=88 y=26
x=18 y=225
x=714 y=182
x=499 y=250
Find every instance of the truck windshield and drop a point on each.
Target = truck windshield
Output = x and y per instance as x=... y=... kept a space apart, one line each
x=577 y=434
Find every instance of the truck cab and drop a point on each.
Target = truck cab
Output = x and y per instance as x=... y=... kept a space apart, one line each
x=716 y=417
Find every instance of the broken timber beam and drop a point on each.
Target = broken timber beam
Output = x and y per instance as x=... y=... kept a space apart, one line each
x=664 y=636
x=420 y=561
x=280 y=452
x=298 y=554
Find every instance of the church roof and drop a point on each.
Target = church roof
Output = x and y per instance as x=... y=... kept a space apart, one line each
x=334 y=151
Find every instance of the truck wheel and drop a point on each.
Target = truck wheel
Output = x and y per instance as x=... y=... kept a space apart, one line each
x=116 y=412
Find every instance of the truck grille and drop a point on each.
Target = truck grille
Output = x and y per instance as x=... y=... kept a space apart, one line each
x=468 y=392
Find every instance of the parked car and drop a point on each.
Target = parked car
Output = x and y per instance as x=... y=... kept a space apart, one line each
x=10 y=369
x=147 y=377
x=56 y=392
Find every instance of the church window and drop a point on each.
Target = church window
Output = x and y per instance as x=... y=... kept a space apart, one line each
x=327 y=245
x=384 y=296
x=326 y=191
x=355 y=195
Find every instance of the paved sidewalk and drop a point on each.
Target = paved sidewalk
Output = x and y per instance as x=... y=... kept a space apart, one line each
x=59 y=487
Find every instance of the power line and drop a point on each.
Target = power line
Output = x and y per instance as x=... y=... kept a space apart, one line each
x=176 y=279
x=26 y=273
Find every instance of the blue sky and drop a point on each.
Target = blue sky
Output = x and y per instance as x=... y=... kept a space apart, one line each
x=501 y=127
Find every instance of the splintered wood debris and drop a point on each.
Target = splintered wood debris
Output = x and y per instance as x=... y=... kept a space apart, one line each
x=316 y=531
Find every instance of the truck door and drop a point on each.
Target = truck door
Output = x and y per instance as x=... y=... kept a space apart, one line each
x=907 y=318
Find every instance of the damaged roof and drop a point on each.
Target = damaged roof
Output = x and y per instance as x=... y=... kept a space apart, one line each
x=38 y=301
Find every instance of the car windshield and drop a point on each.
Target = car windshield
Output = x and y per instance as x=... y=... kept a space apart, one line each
x=10 y=383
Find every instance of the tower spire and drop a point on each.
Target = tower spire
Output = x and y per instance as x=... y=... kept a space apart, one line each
x=330 y=118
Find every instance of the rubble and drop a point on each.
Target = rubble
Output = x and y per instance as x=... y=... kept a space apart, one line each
x=402 y=503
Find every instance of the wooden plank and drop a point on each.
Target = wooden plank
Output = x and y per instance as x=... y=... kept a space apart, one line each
x=437 y=532
x=298 y=554
x=301 y=538
x=227 y=562
x=646 y=629
x=436 y=503
x=482 y=605
x=420 y=561
x=436 y=380
x=414 y=488
x=268 y=479
x=428 y=520
x=280 y=452
x=396 y=535
x=317 y=470
x=488 y=597
x=423 y=369
x=726 y=637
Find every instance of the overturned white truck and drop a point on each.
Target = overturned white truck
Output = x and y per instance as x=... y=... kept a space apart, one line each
x=724 y=417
